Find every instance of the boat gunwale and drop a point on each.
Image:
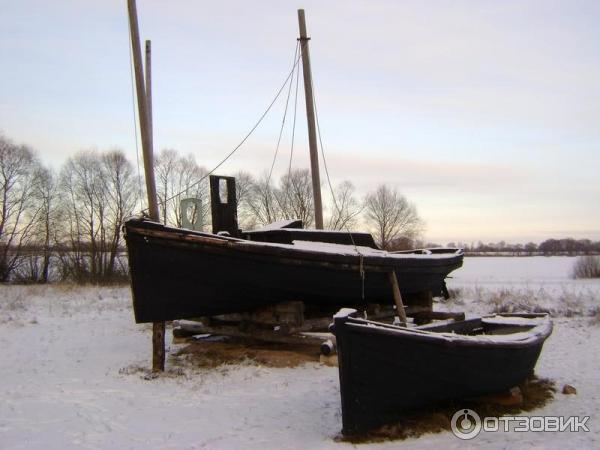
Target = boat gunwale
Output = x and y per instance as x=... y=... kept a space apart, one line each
x=288 y=253
x=533 y=336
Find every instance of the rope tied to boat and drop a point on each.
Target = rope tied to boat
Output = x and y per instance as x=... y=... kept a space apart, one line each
x=331 y=190
x=361 y=269
x=135 y=133
x=285 y=116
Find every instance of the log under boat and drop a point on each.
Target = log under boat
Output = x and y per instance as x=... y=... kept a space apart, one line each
x=386 y=370
x=178 y=273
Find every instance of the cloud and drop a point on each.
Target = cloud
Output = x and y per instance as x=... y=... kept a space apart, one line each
x=413 y=173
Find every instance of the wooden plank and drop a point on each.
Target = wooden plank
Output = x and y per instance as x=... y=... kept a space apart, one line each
x=284 y=313
x=281 y=336
x=397 y=298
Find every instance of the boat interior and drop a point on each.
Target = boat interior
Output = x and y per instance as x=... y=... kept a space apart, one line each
x=500 y=324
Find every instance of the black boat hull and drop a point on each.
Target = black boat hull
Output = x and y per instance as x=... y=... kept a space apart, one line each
x=179 y=274
x=385 y=372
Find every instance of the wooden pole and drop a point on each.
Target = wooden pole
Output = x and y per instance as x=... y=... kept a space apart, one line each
x=158 y=329
x=146 y=131
x=310 y=115
x=397 y=297
x=148 y=68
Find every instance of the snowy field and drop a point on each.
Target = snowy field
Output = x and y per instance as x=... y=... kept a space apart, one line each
x=72 y=371
x=534 y=284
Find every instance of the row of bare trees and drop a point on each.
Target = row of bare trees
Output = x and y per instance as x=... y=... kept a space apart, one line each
x=179 y=177
x=385 y=212
x=97 y=192
x=261 y=202
x=19 y=215
x=66 y=224
x=63 y=224
x=549 y=247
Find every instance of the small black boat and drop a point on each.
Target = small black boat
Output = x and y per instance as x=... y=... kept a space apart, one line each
x=387 y=370
x=178 y=273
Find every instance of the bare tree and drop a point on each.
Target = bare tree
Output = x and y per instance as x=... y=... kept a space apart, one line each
x=586 y=266
x=530 y=248
x=262 y=203
x=391 y=215
x=18 y=211
x=97 y=192
x=81 y=185
x=164 y=168
x=181 y=177
x=345 y=209
x=191 y=182
x=120 y=188
x=244 y=183
x=295 y=196
x=45 y=194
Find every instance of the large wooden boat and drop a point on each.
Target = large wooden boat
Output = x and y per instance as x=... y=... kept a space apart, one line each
x=178 y=273
x=386 y=370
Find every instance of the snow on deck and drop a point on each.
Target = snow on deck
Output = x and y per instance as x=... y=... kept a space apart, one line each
x=357 y=250
x=344 y=312
x=278 y=225
x=541 y=328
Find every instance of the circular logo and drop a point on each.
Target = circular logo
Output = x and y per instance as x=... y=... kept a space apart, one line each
x=466 y=424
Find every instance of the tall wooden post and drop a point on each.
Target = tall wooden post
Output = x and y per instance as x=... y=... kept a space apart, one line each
x=148 y=74
x=310 y=114
x=158 y=329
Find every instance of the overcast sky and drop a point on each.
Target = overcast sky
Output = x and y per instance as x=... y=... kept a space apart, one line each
x=485 y=114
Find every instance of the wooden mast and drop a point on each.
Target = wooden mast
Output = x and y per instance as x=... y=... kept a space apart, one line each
x=310 y=114
x=158 y=328
x=144 y=114
x=148 y=73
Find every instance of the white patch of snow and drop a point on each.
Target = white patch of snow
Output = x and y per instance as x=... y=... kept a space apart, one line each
x=344 y=312
x=357 y=250
x=542 y=328
x=278 y=225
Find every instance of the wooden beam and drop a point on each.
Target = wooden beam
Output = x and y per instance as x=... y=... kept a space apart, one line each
x=186 y=328
x=397 y=297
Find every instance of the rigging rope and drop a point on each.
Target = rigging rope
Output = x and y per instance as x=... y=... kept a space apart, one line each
x=137 y=150
x=360 y=255
x=287 y=100
x=294 y=122
x=237 y=147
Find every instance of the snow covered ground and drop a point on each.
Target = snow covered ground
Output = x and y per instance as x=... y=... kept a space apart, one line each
x=535 y=284
x=72 y=371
